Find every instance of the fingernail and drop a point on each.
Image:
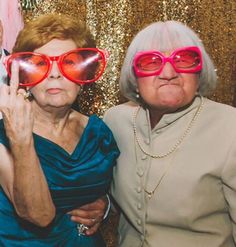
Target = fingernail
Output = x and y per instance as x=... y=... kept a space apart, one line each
x=88 y=233
x=73 y=218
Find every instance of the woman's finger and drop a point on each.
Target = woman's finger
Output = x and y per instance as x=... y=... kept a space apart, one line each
x=86 y=214
x=14 y=82
x=4 y=95
x=87 y=221
x=4 y=90
x=92 y=229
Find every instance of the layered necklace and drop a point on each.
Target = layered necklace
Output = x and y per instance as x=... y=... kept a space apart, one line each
x=171 y=150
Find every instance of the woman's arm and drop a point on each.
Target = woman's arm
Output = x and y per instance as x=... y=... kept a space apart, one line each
x=229 y=185
x=21 y=175
x=24 y=183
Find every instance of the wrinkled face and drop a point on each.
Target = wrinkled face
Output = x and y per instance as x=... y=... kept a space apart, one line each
x=169 y=90
x=55 y=90
x=1 y=33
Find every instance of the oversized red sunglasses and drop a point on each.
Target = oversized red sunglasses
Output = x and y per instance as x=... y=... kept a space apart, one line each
x=184 y=60
x=82 y=65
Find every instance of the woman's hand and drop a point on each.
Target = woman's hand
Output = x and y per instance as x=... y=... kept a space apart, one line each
x=16 y=110
x=90 y=215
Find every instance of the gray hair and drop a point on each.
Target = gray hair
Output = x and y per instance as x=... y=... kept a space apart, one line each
x=165 y=36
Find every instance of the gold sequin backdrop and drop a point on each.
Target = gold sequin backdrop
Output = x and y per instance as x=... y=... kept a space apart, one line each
x=115 y=22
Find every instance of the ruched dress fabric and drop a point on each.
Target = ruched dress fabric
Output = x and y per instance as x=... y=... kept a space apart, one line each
x=74 y=180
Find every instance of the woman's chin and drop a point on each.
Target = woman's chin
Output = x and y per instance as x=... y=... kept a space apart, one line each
x=169 y=102
x=171 y=97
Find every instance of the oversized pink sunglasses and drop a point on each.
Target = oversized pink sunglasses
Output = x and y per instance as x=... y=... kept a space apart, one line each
x=184 y=60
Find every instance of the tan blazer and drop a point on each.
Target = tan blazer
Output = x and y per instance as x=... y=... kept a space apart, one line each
x=194 y=204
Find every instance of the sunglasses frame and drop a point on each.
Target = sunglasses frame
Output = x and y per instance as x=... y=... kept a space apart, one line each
x=164 y=59
x=59 y=59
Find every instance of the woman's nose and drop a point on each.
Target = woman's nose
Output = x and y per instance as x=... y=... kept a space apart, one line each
x=168 y=72
x=55 y=71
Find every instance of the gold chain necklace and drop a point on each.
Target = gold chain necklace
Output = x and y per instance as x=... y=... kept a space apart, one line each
x=151 y=193
x=179 y=141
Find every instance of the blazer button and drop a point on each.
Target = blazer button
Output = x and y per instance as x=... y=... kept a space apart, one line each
x=147 y=141
x=144 y=157
x=140 y=171
x=139 y=189
x=139 y=222
x=157 y=131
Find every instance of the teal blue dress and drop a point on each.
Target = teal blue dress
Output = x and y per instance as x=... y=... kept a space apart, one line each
x=73 y=179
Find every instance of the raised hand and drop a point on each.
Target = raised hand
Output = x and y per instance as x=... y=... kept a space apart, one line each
x=16 y=109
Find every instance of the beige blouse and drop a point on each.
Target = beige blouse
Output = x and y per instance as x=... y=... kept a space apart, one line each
x=194 y=200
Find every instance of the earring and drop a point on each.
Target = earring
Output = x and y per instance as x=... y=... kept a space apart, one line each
x=137 y=94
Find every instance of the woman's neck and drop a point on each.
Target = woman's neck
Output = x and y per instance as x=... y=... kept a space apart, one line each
x=54 y=120
x=156 y=114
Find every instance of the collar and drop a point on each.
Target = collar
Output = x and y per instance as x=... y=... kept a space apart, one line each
x=143 y=117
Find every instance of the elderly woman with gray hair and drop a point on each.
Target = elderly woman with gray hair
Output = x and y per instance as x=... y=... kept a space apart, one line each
x=175 y=181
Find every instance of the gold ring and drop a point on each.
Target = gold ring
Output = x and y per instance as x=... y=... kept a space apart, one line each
x=26 y=95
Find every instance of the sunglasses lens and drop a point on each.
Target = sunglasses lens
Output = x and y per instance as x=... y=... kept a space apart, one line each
x=187 y=59
x=32 y=68
x=149 y=63
x=83 y=66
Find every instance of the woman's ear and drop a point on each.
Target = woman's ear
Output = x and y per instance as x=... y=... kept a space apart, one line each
x=137 y=93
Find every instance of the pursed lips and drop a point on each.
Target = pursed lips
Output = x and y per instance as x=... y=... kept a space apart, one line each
x=54 y=90
x=169 y=84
